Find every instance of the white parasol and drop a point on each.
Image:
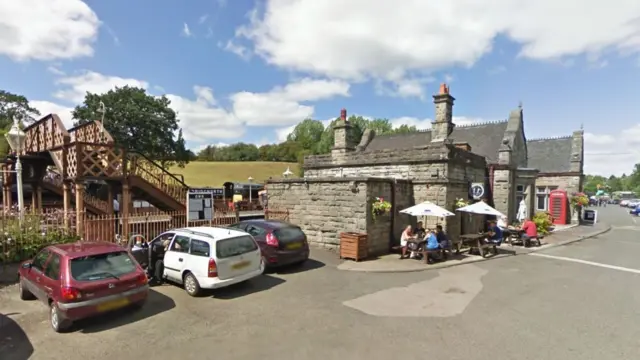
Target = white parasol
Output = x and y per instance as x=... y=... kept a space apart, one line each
x=480 y=208
x=427 y=208
x=522 y=211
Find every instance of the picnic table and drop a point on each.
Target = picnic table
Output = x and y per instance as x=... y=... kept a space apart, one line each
x=516 y=236
x=476 y=241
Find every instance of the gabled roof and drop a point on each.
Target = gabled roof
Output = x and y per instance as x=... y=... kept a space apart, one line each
x=484 y=139
x=552 y=155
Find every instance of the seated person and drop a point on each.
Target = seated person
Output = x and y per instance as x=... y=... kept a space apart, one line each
x=407 y=235
x=495 y=233
x=502 y=224
x=441 y=236
x=530 y=231
x=432 y=244
x=140 y=243
x=419 y=231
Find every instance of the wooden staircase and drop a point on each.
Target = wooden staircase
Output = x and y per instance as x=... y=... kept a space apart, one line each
x=93 y=204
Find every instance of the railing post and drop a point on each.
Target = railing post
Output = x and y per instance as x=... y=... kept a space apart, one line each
x=80 y=209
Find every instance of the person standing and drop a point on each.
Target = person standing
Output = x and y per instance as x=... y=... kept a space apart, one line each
x=116 y=212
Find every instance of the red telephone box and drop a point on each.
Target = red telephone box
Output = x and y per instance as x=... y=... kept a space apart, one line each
x=558 y=206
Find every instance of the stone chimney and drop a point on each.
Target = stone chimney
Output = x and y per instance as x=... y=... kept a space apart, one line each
x=443 y=124
x=342 y=138
x=577 y=151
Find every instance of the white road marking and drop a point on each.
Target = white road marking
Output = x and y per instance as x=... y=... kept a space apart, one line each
x=606 y=266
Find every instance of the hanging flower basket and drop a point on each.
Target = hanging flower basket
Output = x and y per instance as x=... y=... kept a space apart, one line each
x=460 y=203
x=578 y=200
x=380 y=207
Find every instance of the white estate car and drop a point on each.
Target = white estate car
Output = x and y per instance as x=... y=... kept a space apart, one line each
x=210 y=257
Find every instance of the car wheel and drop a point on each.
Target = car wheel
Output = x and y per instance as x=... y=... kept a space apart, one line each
x=57 y=321
x=191 y=285
x=24 y=293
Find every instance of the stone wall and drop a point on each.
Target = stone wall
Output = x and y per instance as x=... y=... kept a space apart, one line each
x=323 y=209
x=504 y=192
x=570 y=184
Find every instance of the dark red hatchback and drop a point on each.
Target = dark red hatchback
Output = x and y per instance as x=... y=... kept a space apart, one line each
x=281 y=243
x=81 y=280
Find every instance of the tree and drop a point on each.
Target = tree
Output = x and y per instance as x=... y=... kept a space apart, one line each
x=307 y=134
x=16 y=107
x=137 y=121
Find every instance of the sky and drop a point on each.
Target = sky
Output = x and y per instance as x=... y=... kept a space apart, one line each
x=242 y=70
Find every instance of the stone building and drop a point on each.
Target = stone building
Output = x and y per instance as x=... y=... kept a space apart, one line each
x=440 y=165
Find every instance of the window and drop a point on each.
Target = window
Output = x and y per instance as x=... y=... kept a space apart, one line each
x=40 y=259
x=520 y=188
x=235 y=246
x=53 y=268
x=199 y=248
x=289 y=234
x=542 y=197
x=255 y=231
x=180 y=243
x=521 y=194
x=238 y=226
x=102 y=266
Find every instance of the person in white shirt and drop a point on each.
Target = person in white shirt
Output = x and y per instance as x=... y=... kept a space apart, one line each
x=407 y=235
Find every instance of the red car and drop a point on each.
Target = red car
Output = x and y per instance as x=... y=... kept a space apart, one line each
x=81 y=280
x=281 y=243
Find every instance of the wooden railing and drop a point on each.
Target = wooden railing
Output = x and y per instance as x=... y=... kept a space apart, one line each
x=56 y=180
x=156 y=175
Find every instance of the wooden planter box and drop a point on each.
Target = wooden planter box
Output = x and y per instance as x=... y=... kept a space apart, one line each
x=353 y=246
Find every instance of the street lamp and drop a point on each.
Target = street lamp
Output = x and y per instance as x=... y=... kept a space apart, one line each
x=250 y=181
x=15 y=138
x=101 y=109
x=287 y=173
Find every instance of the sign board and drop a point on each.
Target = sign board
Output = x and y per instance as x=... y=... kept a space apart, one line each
x=590 y=216
x=476 y=191
x=200 y=204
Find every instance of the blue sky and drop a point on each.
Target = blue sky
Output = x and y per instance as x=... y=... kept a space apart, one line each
x=248 y=71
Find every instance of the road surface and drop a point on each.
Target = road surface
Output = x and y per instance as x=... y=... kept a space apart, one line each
x=573 y=302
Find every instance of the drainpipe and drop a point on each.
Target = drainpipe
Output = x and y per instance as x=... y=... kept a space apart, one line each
x=491 y=171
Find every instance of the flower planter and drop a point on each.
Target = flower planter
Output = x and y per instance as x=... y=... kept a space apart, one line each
x=353 y=246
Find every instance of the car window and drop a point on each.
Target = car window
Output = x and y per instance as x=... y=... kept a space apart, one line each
x=40 y=259
x=255 y=231
x=52 y=271
x=162 y=237
x=199 y=248
x=235 y=246
x=289 y=233
x=102 y=266
x=180 y=243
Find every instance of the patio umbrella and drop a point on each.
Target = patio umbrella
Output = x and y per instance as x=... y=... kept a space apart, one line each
x=522 y=211
x=427 y=208
x=480 y=208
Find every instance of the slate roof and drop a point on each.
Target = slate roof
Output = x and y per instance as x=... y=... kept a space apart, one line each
x=550 y=155
x=484 y=139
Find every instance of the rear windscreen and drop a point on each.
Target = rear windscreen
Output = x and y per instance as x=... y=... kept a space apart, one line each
x=287 y=234
x=235 y=246
x=102 y=266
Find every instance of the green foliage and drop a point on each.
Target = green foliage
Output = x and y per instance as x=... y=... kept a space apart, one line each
x=18 y=244
x=543 y=221
x=380 y=206
x=15 y=107
x=137 y=121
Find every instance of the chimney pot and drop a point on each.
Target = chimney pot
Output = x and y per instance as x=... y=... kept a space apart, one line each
x=343 y=114
x=444 y=89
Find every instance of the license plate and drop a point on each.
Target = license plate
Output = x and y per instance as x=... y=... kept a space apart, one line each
x=294 y=246
x=112 y=305
x=240 y=265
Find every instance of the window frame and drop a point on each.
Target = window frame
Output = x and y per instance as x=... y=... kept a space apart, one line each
x=182 y=249
x=191 y=242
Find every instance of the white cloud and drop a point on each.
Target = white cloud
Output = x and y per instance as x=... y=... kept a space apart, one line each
x=381 y=40
x=203 y=118
x=607 y=154
x=282 y=105
x=75 y=87
x=47 y=29
x=47 y=107
x=202 y=19
x=239 y=50
x=186 y=31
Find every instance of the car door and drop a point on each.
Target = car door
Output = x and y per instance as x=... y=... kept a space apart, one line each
x=177 y=257
x=35 y=274
x=51 y=279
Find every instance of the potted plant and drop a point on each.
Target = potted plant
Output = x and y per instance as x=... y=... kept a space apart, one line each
x=460 y=203
x=380 y=207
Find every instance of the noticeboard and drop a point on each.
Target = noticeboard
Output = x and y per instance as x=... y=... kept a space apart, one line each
x=200 y=204
x=589 y=216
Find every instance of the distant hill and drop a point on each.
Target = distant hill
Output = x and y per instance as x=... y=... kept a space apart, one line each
x=214 y=174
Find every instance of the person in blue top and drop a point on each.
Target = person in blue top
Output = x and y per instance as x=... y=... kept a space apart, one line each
x=495 y=233
x=432 y=244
